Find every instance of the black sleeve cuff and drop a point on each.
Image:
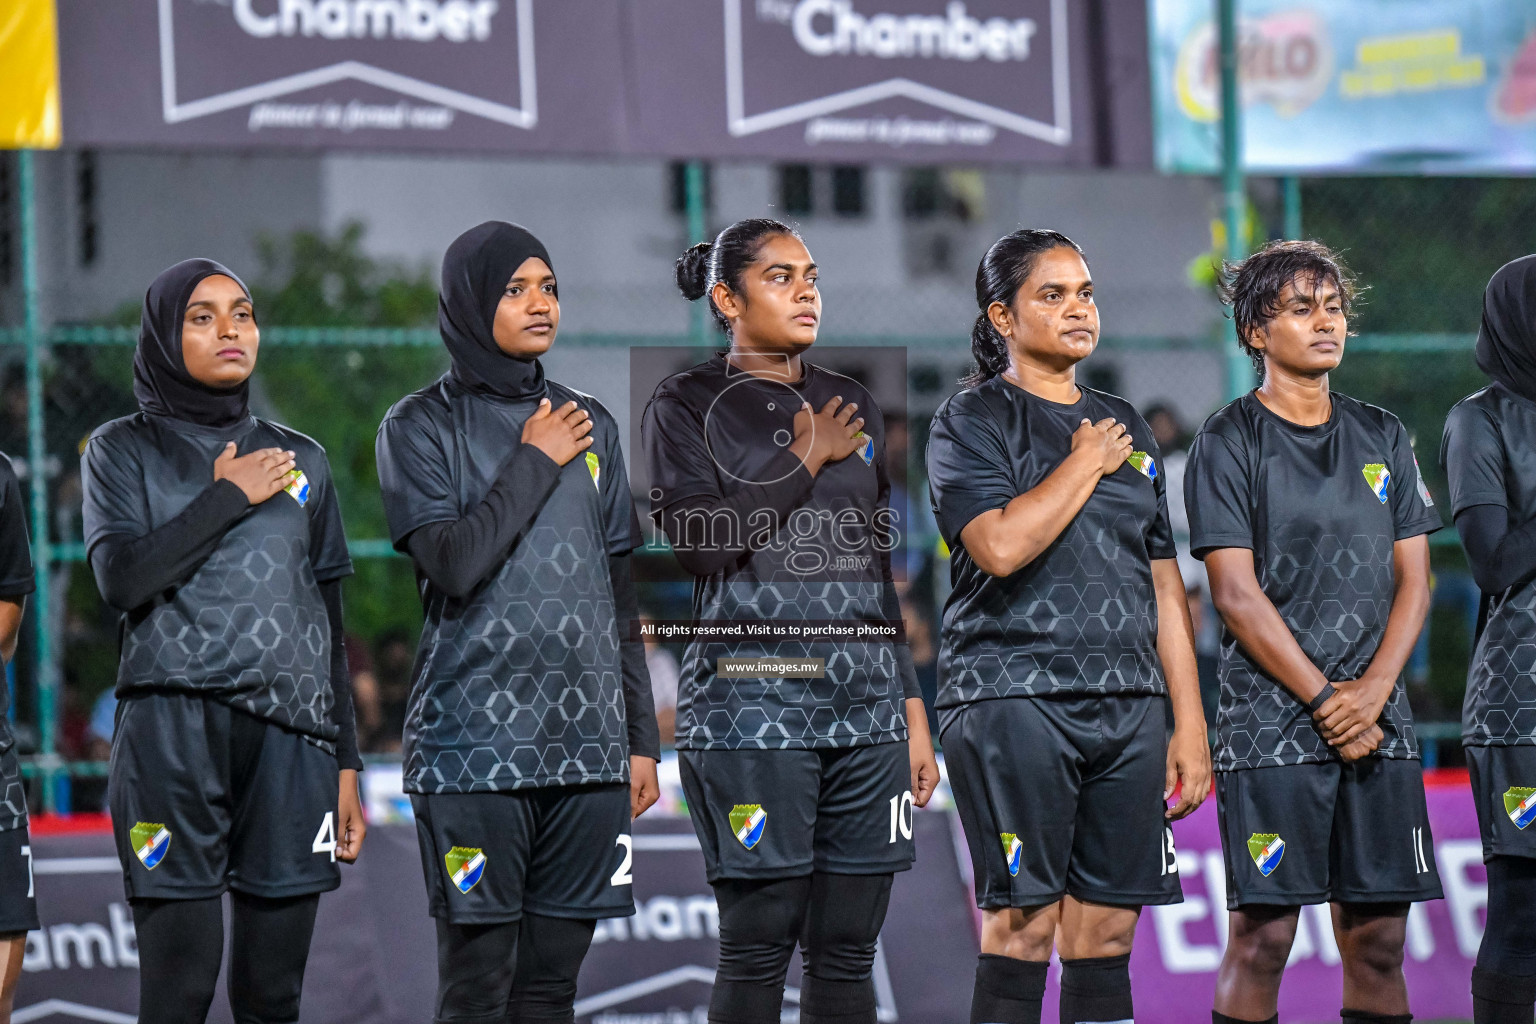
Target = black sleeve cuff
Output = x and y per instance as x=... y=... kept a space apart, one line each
x=911 y=689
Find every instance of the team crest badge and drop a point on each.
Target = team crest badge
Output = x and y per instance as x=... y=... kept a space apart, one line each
x=1377 y=476
x=1266 y=849
x=466 y=866
x=748 y=821
x=1143 y=464
x=150 y=841
x=1520 y=803
x=1013 y=851
x=866 y=448
x=595 y=469
x=297 y=486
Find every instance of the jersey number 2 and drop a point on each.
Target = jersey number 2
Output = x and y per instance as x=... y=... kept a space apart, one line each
x=622 y=876
x=325 y=839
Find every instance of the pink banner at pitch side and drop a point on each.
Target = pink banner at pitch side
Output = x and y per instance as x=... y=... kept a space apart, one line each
x=1178 y=948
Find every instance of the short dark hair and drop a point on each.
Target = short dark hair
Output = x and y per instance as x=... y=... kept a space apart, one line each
x=999 y=276
x=1252 y=286
x=724 y=259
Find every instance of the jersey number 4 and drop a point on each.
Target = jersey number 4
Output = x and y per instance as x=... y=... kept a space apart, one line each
x=325 y=839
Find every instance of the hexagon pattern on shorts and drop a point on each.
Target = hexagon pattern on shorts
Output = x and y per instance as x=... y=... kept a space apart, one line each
x=1081 y=619
x=522 y=686
x=859 y=700
x=1500 y=706
x=1259 y=723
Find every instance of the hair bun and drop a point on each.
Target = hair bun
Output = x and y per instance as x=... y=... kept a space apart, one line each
x=692 y=271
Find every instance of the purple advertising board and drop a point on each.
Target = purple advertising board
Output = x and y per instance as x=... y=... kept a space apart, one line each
x=373 y=959
x=1037 y=81
x=1178 y=947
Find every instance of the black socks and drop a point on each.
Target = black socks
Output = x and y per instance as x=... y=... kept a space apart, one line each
x=1008 y=991
x=745 y=1002
x=1221 y=1018
x=1502 y=998
x=1096 y=989
x=836 y=1002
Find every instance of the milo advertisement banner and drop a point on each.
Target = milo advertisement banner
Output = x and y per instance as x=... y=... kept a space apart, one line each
x=1378 y=86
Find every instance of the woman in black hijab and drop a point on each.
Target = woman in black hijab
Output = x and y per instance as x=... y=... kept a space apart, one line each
x=530 y=740
x=1489 y=455
x=218 y=537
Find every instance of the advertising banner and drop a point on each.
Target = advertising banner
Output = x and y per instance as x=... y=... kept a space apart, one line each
x=374 y=958
x=841 y=78
x=502 y=75
x=1371 y=86
x=29 y=76
x=1044 y=81
x=1179 y=947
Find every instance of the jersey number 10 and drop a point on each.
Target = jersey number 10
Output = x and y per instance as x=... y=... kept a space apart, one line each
x=901 y=815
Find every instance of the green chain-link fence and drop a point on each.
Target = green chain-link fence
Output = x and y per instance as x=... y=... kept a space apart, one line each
x=1425 y=248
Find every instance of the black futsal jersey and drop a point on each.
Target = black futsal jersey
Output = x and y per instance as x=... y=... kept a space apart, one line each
x=1489 y=455
x=518 y=684
x=1082 y=617
x=708 y=432
x=15 y=582
x=249 y=627
x=1320 y=507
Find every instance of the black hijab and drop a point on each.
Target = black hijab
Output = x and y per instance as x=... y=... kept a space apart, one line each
x=161 y=382
x=1506 y=341
x=476 y=270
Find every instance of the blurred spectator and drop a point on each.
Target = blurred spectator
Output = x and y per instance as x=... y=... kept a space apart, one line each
x=79 y=742
x=925 y=656
x=366 y=706
x=1173 y=440
x=663 y=667
x=103 y=721
x=913 y=519
x=392 y=676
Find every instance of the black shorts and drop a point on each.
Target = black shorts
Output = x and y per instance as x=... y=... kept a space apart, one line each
x=18 y=903
x=1064 y=796
x=205 y=798
x=1504 y=789
x=561 y=851
x=1298 y=834
x=786 y=813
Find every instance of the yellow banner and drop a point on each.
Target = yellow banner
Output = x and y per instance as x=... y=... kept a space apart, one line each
x=29 y=75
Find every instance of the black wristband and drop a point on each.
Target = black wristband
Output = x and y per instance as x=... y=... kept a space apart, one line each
x=1321 y=698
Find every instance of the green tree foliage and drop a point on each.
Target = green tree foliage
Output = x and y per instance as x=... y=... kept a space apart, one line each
x=1424 y=246
x=339 y=393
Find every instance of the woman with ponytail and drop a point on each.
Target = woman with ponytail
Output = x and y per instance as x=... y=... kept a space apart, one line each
x=768 y=477
x=1065 y=638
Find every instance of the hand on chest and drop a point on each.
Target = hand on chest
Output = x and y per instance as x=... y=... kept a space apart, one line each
x=183 y=468
x=746 y=437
